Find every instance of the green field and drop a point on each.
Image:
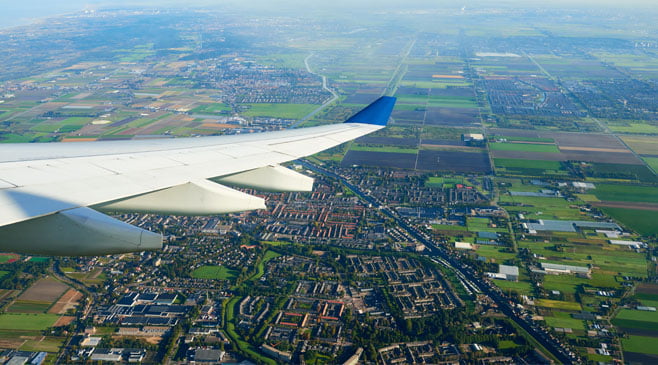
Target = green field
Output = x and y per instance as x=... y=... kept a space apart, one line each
x=47 y=344
x=358 y=147
x=495 y=253
x=34 y=322
x=636 y=315
x=260 y=269
x=448 y=227
x=522 y=287
x=542 y=208
x=629 y=323
x=641 y=344
x=513 y=163
x=214 y=108
x=482 y=224
x=652 y=162
x=214 y=272
x=604 y=257
x=285 y=111
x=524 y=147
x=558 y=304
x=641 y=221
x=634 y=128
x=437 y=181
x=526 y=139
x=564 y=320
x=28 y=306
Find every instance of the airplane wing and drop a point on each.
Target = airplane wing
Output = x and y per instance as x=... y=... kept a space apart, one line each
x=51 y=193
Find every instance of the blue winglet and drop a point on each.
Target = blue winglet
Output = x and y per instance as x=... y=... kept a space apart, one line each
x=376 y=113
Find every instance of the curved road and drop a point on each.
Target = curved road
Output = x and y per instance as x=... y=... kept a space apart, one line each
x=324 y=86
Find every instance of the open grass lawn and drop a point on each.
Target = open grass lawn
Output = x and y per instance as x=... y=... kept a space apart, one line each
x=522 y=287
x=564 y=320
x=437 y=181
x=260 y=269
x=285 y=111
x=507 y=344
x=495 y=253
x=214 y=272
x=567 y=284
x=542 y=208
x=606 y=259
x=524 y=147
x=599 y=358
x=558 y=304
x=448 y=227
x=47 y=344
x=27 y=321
x=641 y=221
x=641 y=344
x=482 y=224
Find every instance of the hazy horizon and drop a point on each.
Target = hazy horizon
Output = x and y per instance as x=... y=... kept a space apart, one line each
x=29 y=11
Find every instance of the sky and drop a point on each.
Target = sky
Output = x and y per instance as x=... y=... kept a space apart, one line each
x=23 y=12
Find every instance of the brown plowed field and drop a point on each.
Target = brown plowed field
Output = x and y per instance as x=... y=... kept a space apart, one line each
x=64 y=321
x=44 y=290
x=68 y=300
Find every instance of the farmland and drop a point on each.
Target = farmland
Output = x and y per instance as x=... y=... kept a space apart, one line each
x=642 y=221
x=626 y=193
x=524 y=147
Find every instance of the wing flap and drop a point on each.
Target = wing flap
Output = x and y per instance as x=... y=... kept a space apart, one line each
x=194 y=198
x=270 y=178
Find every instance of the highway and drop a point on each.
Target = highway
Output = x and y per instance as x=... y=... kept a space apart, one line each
x=468 y=276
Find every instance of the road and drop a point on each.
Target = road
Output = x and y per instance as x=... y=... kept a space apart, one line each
x=464 y=272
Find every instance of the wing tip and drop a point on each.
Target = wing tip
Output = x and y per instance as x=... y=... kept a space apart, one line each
x=377 y=113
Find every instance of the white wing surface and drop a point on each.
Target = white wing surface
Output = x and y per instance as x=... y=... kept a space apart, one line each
x=47 y=191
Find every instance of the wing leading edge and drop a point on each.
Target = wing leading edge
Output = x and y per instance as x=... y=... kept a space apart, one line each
x=47 y=190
